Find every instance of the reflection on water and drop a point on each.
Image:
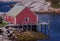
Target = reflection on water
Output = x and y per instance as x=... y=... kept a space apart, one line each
x=54 y=25
x=43 y=18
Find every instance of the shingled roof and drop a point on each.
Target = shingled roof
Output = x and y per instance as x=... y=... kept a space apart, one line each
x=15 y=10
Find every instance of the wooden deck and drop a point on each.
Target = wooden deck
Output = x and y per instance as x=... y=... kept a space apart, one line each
x=32 y=27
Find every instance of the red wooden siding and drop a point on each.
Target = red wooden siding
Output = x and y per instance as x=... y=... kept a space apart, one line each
x=10 y=19
x=20 y=18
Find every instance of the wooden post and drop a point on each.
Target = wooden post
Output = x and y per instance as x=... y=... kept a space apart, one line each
x=31 y=27
x=22 y=26
x=26 y=26
x=41 y=27
x=18 y=27
x=36 y=27
x=45 y=29
x=48 y=30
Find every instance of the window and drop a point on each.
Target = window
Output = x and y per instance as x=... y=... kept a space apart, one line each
x=27 y=19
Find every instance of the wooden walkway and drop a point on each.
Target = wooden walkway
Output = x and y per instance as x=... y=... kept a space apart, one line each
x=40 y=24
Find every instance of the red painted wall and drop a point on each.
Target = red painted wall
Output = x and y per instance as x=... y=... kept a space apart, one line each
x=10 y=19
x=20 y=18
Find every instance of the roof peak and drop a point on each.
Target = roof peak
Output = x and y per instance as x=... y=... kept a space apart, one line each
x=16 y=10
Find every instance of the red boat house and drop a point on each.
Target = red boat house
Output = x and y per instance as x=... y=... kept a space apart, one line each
x=21 y=15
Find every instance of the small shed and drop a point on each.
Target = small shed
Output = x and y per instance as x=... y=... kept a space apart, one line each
x=21 y=15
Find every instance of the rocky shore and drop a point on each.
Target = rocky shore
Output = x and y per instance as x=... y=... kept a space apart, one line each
x=29 y=35
x=17 y=35
x=51 y=11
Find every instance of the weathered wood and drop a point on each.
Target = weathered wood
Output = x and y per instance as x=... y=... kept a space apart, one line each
x=45 y=29
x=41 y=28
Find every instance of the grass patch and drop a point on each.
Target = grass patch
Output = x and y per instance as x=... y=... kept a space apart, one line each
x=3 y=24
x=55 y=5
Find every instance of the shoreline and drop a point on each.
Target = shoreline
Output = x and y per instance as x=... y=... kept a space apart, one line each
x=52 y=11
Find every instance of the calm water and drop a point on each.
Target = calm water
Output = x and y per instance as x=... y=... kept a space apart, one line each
x=5 y=6
x=54 y=25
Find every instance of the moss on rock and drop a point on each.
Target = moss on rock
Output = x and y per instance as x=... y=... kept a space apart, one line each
x=30 y=36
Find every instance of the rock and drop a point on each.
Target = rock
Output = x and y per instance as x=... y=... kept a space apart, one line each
x=30 y=36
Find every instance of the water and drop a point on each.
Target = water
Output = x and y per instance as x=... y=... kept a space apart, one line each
x=5 y=6
x=54 y=25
